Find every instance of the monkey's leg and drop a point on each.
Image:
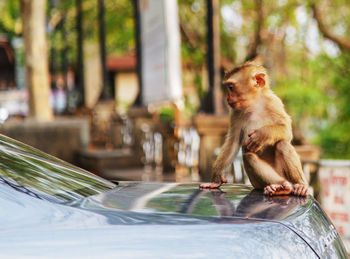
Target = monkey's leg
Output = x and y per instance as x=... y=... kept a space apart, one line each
x=288 y=164
x=263 y=175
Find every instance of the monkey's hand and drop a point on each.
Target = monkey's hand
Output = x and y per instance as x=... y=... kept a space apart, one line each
x=257 y=138
x=217 y=181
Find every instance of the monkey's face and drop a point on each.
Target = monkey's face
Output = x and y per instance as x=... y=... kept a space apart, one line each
x=243 y=87
x=240 y=93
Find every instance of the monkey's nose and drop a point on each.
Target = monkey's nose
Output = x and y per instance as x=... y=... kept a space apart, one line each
x=230 y=100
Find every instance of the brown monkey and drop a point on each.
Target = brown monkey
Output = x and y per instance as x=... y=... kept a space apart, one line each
x=259 y=123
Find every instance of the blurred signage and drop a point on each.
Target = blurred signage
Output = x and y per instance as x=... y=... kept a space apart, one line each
x=160 y=39
x=15 y=102
x=335 y=194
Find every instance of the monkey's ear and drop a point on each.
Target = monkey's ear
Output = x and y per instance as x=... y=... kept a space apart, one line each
x=259 y=79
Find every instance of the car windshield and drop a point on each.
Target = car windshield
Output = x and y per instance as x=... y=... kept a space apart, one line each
x=31 y=171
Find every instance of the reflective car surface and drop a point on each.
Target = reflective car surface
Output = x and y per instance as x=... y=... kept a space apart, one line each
x=50 y=209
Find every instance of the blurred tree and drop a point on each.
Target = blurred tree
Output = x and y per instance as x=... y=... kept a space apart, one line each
x=334 y=24
x=341 y=41
x=334 y=137
x=36 y=61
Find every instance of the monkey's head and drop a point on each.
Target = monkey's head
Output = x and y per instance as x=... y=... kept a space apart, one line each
x=244 y=84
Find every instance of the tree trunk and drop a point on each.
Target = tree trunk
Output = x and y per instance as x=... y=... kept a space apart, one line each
x=80 y=55
x=259 y=25
x=36 y=59
x=212 y=101
x=138 y=43
x=102 y=43
x=216 y=80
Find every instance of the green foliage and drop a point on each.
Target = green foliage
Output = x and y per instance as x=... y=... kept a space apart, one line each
x=192 y=17
x=303 y=91
x=334 y=140
x=166 y=114
x=334 y=137
x=10 y=23
x=319 y=97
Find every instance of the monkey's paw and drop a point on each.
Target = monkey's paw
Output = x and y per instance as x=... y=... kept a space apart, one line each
x=300 y=190
x=278 y=189
x=213 y=185
x=209 y=185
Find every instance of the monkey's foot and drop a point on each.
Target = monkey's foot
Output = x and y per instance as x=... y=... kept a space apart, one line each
x=278 y=189
x=300 y=190
x=209 y=185
x=213 y=185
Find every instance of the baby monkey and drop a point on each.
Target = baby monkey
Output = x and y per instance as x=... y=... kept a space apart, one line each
x=259 y=123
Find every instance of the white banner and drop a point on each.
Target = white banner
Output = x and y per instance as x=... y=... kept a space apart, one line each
x=160 y=41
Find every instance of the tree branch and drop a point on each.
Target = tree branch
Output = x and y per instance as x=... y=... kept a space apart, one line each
x=343 y=43
x=259 y=25
x=189 y=37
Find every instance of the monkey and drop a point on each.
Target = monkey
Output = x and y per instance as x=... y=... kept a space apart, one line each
x=259 y=125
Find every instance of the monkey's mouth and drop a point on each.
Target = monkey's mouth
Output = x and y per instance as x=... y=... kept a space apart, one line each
x=235 y=105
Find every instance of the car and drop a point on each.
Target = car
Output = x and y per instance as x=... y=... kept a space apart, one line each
x=51 y=209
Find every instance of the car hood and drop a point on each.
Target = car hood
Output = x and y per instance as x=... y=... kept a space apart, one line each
x=157 y=220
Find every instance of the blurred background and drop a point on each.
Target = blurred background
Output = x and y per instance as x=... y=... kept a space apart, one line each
x=131 y=90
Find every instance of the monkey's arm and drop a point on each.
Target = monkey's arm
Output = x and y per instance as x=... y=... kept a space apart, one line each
x=268 y=135
x=228 y=152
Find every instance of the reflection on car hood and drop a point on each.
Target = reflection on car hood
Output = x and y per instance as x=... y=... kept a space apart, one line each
x=180 y=204
x=231 y=201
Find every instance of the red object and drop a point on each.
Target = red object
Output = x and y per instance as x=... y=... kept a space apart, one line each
x=125 y=63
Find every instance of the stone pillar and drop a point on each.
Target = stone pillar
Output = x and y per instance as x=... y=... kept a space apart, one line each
x=139 y=116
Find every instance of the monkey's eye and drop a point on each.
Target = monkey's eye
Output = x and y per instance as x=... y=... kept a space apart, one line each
x=230 y=87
